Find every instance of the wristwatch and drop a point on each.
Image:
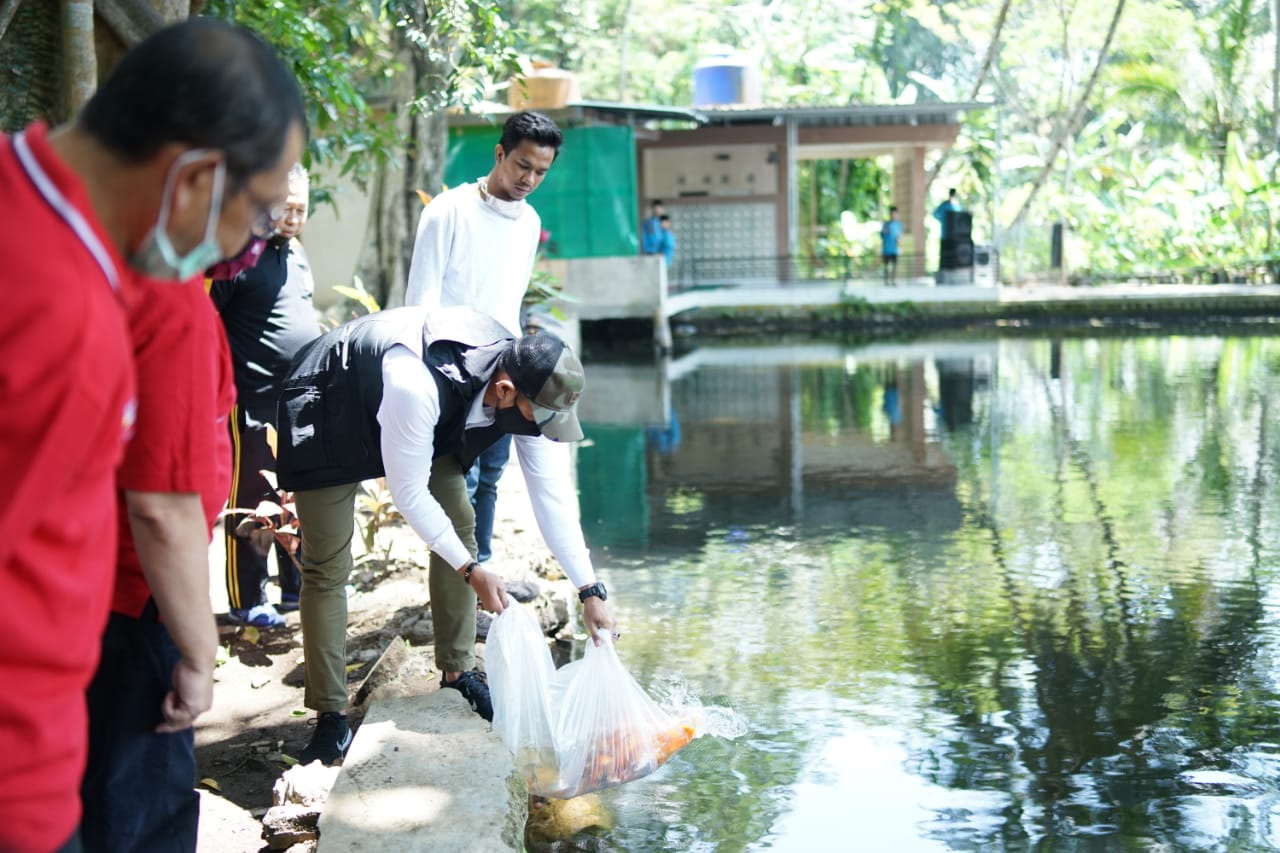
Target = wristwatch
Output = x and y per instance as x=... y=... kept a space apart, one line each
x=467 y=570
x=597 y=589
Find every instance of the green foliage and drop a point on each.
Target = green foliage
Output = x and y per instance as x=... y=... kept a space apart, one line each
x=340 y=57
x=829 y=188
x=375 y=511
x=346 y=57
x=463 y=45
x=1175 y=166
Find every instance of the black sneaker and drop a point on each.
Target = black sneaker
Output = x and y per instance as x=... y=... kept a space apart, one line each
x=474 y=687
x=330 y=740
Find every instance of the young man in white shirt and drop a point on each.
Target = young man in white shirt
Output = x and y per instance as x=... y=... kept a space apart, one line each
x=476 y=246
x=415 y=396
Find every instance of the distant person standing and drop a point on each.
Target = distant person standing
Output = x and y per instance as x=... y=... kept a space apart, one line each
x=940 y=213
x=476 y=246
x=268 y=315
x=666 y=241
x=651 y=229
x=890 y=234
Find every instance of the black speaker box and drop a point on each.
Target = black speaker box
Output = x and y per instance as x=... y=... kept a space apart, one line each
x=959 y=224
x=956 y=254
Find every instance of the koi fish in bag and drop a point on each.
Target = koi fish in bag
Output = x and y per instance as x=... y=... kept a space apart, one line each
x=581 y=728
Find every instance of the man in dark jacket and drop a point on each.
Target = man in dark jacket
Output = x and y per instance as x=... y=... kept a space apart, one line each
x=268 y=315
x=416 y=395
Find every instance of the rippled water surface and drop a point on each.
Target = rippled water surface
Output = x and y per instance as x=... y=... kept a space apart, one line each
x=966 y=595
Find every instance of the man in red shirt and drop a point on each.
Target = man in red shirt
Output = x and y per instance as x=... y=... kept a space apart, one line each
x=161 y=179
x=174 y=479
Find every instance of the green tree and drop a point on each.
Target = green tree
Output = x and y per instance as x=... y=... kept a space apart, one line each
x=378 y=76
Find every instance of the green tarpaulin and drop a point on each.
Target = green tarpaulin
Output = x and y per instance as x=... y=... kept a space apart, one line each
x=588 y=200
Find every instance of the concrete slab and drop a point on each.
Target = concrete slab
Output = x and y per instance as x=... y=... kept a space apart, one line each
x=425 y=773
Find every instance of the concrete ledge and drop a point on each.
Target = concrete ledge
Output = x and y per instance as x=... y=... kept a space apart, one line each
x=425 y=773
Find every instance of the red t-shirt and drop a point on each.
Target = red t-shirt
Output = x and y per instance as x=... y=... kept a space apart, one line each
x=185 y=392
x=66 y=405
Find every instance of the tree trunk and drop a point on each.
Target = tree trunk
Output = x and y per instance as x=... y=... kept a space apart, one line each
x=172 y=10
x=7 y=9
x=394 y=202
x=1071 y=126
x=131 y=20
x=80 y=59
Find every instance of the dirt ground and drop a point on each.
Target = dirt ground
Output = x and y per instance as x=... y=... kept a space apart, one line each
x=258 y=717
x=258 y=720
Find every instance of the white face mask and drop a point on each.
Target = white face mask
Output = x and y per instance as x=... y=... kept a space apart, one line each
x=156 y=257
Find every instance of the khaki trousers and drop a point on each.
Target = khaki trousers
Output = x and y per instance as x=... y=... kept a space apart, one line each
x=327 y=519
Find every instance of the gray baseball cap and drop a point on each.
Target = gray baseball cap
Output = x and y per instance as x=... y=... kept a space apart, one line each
x=546 y=371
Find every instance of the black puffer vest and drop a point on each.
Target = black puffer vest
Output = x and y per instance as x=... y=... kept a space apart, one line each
x=327 y=417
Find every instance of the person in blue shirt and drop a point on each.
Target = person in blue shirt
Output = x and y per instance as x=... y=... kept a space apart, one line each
x=940 y=213
x=651 y=229
x=666 y=245
x=890 y=233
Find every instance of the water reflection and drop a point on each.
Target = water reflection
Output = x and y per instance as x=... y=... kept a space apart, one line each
x=970 y=594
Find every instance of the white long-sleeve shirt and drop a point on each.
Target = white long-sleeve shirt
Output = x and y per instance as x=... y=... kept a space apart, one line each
x=408 y=415
x=476 y=250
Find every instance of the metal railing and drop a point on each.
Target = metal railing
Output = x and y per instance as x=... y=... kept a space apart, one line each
x=783 y=271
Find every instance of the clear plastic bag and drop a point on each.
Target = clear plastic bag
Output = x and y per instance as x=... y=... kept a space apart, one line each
x=578 y=729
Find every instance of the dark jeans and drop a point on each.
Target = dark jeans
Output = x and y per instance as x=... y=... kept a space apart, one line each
x=482 y=485
x=138 y=790
x=890 y=267
x=246 y=568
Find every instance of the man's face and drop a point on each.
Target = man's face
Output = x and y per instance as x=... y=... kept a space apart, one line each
x=295 y=212
x=518 y=173
x=249 y=208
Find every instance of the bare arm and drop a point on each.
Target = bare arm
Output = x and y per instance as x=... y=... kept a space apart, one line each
x=171 y=536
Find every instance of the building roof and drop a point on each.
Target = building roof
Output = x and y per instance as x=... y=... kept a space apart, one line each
x=854 y=115
x=580 y=111
x=847 y=116
x=641 y=112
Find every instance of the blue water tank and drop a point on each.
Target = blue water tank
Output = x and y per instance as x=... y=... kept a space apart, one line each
x=723 y=78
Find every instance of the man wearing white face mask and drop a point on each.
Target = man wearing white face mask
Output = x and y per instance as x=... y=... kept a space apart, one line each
x=268 y=314
x=157 y=180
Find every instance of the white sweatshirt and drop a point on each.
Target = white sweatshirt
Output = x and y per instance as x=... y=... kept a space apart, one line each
x=476 y=250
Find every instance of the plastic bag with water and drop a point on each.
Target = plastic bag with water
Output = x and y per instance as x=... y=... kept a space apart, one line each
x=581 y=728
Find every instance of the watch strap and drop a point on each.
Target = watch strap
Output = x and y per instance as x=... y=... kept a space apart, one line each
x=595 y=590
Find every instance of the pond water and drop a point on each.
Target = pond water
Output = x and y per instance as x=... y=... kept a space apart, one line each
x=964 y=594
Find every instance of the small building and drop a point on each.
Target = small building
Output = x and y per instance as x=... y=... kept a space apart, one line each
x=727 y=174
